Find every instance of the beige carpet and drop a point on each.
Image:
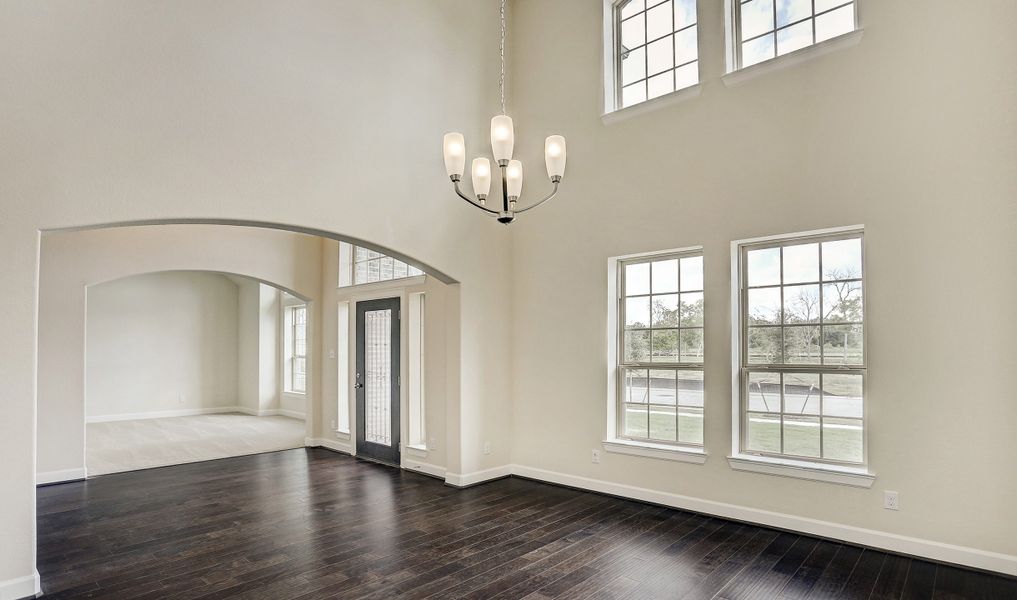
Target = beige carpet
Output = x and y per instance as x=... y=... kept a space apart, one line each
x=130 y=445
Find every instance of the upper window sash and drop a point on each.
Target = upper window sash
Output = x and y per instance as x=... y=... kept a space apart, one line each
x=827 y=284
x=688 y=289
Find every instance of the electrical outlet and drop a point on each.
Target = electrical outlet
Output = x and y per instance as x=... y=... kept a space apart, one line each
x=181 y=398
x=334 y=427
x=432 y=444
x=595 y=456
x=891 y=501
x=487 y=447
x=331 y=354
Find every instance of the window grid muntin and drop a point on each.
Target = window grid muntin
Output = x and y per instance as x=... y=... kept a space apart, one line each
x=739 y=41
x=820 y=415
x=624 y=366
x=625 y=403
x=782 y=368
x=820 y=323
x=620 y=86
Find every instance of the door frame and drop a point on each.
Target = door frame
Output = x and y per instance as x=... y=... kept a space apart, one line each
x=352 y=296
x=393 y=454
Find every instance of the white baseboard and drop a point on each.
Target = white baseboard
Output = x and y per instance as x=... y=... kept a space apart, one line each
x=468 y=479
x=60 y=476
x=411 y=463
x=336 y=445
x=960 y=555
x=21 y=587
x=291 y=414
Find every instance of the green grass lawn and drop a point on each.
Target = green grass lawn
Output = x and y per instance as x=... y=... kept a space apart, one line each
x=841 y=439
x=662 y=424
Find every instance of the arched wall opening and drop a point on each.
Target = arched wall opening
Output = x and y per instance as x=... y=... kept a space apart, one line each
x=300 y=263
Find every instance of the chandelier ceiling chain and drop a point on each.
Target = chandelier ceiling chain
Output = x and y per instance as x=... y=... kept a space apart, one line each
x=502 y=142
x=501 y=49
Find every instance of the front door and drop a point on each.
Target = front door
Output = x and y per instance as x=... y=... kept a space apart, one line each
x=377 y=380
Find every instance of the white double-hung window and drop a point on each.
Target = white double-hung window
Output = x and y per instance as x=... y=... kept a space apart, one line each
x=801 y=326
x=660 y=349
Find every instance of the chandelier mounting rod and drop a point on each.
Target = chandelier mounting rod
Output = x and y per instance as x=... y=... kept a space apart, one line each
x=501 y=52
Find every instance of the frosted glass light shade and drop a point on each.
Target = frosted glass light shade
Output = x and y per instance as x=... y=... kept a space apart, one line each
x=554 y=156
x=454 y=148
x=514 y=178
x=481 y=176
x=503 y=137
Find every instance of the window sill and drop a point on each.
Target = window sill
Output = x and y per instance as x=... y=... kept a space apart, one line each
x=674 y=97
x=793 y=58
x=859 y=477
x=342 y=435
x=661 y=451
x=295 y=394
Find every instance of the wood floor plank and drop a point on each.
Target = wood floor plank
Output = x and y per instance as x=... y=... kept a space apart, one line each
x=920 y=581
x=310 y=524
x=803 y=580
x=863 y=578
x=890 y=582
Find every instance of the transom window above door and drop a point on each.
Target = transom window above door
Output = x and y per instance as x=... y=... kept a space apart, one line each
x=358 y=266
x=656 y=49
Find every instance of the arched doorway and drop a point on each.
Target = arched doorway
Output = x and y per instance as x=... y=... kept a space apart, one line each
x=74 y=260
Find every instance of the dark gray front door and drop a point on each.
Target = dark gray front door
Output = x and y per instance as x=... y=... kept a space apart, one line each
x=377 y=380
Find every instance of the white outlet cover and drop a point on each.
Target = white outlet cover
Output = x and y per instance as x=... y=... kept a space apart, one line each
x=891 y=500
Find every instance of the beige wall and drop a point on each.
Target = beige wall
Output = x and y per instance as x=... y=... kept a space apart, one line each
x=118 y=111
x=912 y=133
x=248 y=344
x=161 y=342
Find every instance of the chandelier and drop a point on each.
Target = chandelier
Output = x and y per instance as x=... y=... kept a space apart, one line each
x=502 y=141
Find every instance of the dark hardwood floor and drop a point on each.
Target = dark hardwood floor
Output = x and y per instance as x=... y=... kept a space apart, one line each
x=307 y=524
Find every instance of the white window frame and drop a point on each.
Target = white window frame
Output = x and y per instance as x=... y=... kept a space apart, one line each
x=417 y=426
x=736 y=73
x=615 y=440
x=853 y=474
x=613 y=109
x=291 y=348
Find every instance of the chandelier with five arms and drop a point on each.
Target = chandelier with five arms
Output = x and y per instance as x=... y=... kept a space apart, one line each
x=502 y=141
